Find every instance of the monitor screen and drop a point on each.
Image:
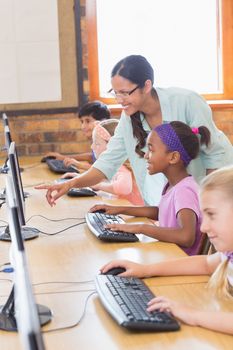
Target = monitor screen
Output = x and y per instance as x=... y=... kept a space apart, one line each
x=28 y=323
x=17 y=181
x=8 y=138
x=5 y=119
x=14 y=171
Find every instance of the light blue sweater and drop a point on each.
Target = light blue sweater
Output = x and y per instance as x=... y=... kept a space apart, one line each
x=176 y=104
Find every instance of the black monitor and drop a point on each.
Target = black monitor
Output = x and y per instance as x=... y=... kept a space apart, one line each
x=20 y=312
x=5 y=119
x=8 y=139
x=28 y=232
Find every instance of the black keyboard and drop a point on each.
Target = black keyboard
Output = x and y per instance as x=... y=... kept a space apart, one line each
x=97 y=221
x=57 y=166
x=126 y=300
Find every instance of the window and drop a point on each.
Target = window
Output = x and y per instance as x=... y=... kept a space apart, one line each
x=188 y=43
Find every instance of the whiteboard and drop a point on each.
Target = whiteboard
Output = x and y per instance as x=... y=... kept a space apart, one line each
x=29 y=51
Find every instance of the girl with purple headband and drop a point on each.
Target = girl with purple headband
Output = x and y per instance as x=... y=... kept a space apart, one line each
x=171 y=147
x=216 y=200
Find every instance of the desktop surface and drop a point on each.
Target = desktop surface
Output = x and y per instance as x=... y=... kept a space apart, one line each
x=75 y=256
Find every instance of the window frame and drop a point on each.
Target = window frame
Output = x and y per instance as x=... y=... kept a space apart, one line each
x=216 y=100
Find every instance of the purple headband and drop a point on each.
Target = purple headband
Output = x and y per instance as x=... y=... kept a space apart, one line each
x=229 y=256
x=169 y=137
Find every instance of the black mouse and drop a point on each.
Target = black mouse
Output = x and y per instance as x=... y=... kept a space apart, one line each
x=115 y=271
x=43 y=160
x=101 y=211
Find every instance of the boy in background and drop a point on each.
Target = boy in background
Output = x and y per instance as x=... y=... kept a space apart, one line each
x=88 y=115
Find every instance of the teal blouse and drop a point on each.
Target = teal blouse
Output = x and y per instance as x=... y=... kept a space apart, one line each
x=176 y=104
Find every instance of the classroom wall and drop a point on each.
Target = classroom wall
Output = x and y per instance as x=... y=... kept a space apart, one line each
x=38 y=134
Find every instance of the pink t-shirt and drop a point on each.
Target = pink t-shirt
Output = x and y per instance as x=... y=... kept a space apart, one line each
x=183 y=195
x=125 y=186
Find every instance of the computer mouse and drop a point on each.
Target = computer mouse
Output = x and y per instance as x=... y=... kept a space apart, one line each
x=81 y=192
x=115 y=271
x=101 y=211
x=43 y=160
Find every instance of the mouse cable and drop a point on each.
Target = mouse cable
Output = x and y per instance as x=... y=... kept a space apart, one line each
x=34 y=165
x=54 y=220
x=33 y=185
x=65 y=292
x=62 y=282
x=65 y=229
x=4 y=222
x=1 y=204
x=58 y=292
x=76 y=323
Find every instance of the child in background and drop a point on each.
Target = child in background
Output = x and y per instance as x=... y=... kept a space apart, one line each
x=88 y=115
x=216 y=200
x=171 y=147
x=123 y=183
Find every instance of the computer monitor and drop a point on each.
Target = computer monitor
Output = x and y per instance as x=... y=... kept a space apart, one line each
x=5 y=119
x=20 y=312
x=8 y=138
x=13 y=163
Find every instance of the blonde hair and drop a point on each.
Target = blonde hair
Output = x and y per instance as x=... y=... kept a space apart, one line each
x=221 y=180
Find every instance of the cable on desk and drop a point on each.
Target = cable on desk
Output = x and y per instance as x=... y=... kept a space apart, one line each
x=65 y=229
x=1 y=204
x=4 y=222
x=63 y=282
x=6 y=279
x=54 y=220
x=76 y=323
x=35 y=165
x=33 y=185
x=65 y=292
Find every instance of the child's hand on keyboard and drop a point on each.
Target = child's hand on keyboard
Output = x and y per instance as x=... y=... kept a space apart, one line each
x=69 y=175
x=71 y=161
x=185 y=313
x=129 y=228
x=132 y=269
x=108 y=209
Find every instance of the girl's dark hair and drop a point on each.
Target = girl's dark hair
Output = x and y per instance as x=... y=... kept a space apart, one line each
x=136 y=69
x=189 y=139
x=97 y=109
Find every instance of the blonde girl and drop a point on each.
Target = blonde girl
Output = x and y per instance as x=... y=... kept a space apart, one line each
x=216 y=199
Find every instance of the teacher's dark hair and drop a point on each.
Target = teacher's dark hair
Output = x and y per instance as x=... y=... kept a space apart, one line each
x=136 y=69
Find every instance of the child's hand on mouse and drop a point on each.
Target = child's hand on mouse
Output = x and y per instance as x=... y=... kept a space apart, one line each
x=55 y=155
x=131 y=269
x=108 y=209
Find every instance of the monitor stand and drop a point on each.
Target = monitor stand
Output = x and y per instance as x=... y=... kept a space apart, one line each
x=4 y=169
x=7 y=314
x=27 y=233
x=3 y=195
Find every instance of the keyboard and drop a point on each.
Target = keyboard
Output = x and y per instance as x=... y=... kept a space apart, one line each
x=126 y=298
x=96 y=222
x=57 y=166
